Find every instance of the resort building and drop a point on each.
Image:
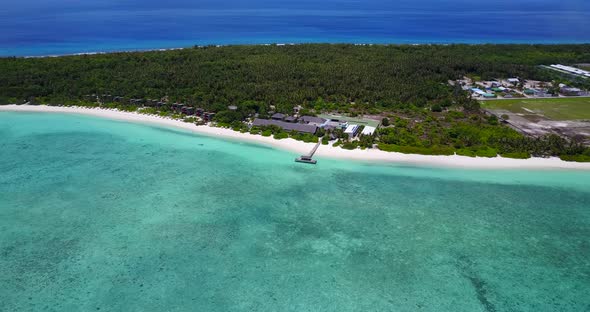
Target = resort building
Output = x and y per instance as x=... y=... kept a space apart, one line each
x=570 y=91
x=136 y=101
x=290 y=119
x=313 y=120
x=571 y=70
x=537 y=93
x=352 y=131
x=480 y=93
x=368 y=130
x=208 y=116
x=287 y=126
x=187 y=110
x=278 y=116
x=177 y=107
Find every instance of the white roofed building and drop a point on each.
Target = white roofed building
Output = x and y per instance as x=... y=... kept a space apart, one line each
x=368 y=130
x=572 y=70
x=352 y=130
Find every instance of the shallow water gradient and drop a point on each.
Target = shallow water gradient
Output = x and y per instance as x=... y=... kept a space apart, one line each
x=103 y=215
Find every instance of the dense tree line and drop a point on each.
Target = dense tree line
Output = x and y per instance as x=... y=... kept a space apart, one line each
x=471 y=134
x=284 y=76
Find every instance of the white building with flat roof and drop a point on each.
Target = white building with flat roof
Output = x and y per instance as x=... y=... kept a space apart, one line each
x=572 y=70
x=352 y=130
x=368 y=130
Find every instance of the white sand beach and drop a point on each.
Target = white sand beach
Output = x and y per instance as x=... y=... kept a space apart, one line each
x=324 y=151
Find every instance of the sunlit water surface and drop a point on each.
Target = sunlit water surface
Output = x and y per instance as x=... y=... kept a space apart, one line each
x=41 y=27
x=110 y=216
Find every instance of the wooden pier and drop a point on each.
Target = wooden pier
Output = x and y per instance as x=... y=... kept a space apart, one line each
x=307 y=159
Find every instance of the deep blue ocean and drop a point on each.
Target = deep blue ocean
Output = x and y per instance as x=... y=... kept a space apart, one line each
x=40 y=27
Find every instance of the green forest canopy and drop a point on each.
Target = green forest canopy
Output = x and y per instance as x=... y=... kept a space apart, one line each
x=387 y=76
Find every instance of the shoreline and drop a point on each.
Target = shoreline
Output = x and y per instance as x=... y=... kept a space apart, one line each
x=218 y=45
x=323 y=152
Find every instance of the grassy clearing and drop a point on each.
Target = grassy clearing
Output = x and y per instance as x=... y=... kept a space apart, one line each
x=556 y=109
x=353 y=120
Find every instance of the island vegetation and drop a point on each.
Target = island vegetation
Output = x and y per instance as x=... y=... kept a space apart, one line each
x=404 y=86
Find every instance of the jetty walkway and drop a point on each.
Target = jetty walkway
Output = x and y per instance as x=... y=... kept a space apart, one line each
x=308 y=158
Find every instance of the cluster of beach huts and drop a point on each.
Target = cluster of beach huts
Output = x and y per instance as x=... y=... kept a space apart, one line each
x=103 y=98
x=516 y=88
x=179 y=108
x=311 y=125
x=506 y=88
x=300 y=124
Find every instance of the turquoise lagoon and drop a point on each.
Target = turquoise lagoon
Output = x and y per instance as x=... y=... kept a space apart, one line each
x=104 y=215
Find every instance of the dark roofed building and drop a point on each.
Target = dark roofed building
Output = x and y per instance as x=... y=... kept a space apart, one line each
x=290 y=119
x=571 y=91
x=287 y=126
x=187 y=110
x=208 y=116
x=313 y=120
x=151 y=103
x=177 y=107
x=278 y=116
